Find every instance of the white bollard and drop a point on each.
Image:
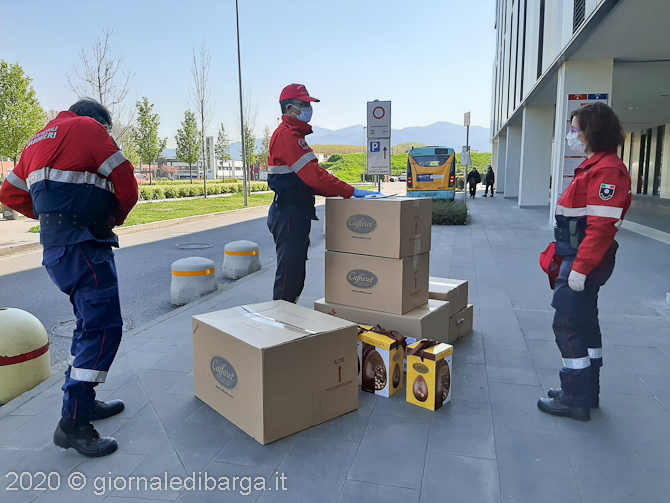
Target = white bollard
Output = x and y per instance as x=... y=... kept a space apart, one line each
x=240 y=258
x=192 y=278
x=25 y=360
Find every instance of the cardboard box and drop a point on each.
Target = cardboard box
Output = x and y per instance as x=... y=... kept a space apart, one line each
x=429 y=374
x=274 y=369
x=455 y=291
x=380 y=362
x=378 y=283
x=394 y=227
x=461 y=323
x=430 y=321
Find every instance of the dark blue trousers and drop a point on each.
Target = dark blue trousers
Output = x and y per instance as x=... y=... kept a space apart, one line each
x=291 y=236
x=578 y=334
x=87 y=273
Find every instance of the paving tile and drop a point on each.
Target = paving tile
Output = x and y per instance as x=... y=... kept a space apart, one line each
x=496 y=341
x=196 y=444
x=513 y=367
x=119 y=374
x=469 y=382
x=234 y=483
x=533 y=467
x=469 y=348
x=142 y=433
x=397 y=408
x=652 y=360
x=14 y=460
x=117 y=464
x=130 y=343
x=184 y=386
x=614 y=380
x=173 y=410
x=458 y=478
x=208 y=416
x=463 y=428
x=133 y=395
x=142 y=360
x=180 y=360
x=314 y=466
x=356 y=492
x=36 y=432
x=545 y=354
x=9 y=423
x=514 y=407
x=156 y=381
x=241 y=449
x=620 y=487
x=64 y=493
x=391 y=454
x=49 y=398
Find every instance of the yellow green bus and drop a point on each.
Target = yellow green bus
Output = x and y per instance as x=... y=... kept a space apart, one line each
x=431 y=172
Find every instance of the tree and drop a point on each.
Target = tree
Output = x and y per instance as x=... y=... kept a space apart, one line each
x=265 y=147
x=21 y=115
x=222 y=147
x=249 y=144
x=145 y=134
x=403 y=148
x=101 y=80
x=201 y=97
x=188 y=141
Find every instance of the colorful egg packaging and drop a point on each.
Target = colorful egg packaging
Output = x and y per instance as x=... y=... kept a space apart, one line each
x=429 y=373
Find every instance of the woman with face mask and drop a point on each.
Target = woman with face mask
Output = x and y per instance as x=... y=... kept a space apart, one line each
x=588 y=215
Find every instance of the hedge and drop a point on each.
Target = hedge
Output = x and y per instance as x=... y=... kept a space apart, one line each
x=449 y=213
x=153 y=192
x=183 y=182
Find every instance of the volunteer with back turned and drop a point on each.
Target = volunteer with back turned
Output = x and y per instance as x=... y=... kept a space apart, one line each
x=295 y=177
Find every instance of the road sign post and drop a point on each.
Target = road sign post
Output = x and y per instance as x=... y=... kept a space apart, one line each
x=379 y=139
x=379 y=156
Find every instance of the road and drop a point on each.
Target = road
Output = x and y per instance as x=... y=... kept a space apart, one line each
x=144 y=268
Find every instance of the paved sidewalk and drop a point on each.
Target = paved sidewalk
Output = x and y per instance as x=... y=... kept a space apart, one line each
x=490 y=444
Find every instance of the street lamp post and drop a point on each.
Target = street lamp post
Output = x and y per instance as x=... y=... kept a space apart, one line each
x=239 y=68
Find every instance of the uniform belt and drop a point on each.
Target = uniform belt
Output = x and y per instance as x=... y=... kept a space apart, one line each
x=67 y=219
x=561 y=234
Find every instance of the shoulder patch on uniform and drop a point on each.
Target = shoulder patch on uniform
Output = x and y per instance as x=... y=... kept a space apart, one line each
x=606 y=191
x=303 y=144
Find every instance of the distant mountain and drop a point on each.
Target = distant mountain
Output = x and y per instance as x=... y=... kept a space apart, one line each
x=440 y=133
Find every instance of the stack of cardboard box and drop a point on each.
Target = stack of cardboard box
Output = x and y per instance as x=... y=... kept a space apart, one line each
x=377 y=270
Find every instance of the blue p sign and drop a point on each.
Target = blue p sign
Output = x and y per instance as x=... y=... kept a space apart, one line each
x=374 y=146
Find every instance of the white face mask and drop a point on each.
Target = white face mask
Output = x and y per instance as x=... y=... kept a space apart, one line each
x=575 y=143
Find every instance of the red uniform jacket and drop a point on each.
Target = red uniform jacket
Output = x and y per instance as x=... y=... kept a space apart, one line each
x=601 y=194
x=294 y=173
x=71 y=166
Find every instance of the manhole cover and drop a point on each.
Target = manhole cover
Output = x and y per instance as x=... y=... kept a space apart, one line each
x=193 y=246
x=65 y=328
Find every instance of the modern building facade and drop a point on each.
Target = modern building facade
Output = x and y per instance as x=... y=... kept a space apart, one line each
x=555 y=55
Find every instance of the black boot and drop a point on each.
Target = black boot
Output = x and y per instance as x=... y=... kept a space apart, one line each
x=83 y=438
x=102 y=410
x=556 y=408
x=556 y=393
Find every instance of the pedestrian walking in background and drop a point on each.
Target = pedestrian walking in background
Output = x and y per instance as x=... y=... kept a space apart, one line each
x=588 y=215
x=473 y=179
x=490 y=179
x=295 y=177
x=73 y=177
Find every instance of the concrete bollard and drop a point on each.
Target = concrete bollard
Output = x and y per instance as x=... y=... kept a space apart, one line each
x=192 y=278
x=240 y=258
x=25 y=360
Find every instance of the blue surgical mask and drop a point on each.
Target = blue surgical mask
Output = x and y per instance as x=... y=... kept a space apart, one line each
x=305 y=114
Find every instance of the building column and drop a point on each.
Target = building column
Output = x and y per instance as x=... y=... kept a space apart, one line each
x=591 y=76
x=500 y=169
x=535 y=172
x=512 y=161
x=665 y=165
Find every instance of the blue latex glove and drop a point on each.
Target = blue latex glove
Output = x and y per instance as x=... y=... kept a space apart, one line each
x=363 y=193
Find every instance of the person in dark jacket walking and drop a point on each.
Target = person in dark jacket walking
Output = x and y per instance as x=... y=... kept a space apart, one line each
x=75 y=179
x=473 y=179
x=490 y=179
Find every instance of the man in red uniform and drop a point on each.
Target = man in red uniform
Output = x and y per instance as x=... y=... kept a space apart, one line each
x=295 y=176
x=73 y=177
x=588 y=215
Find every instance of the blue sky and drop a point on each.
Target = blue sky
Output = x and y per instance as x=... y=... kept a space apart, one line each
x=431 y=58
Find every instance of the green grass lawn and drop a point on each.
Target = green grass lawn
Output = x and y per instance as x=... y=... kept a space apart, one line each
x=154 y=212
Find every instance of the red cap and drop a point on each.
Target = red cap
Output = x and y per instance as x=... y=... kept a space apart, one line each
x=296 y=92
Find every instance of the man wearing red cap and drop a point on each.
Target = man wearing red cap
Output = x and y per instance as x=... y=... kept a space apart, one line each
x=295 y=177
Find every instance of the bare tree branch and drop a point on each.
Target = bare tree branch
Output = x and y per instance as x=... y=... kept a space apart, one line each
x=200 y=95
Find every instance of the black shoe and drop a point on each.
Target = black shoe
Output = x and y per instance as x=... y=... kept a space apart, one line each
x=84 y=439
x=102 y=410
x=555 y=408
x=556 y=393
x=484 y=195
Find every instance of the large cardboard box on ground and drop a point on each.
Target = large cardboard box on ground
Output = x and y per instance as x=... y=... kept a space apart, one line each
x=379 y=283
x=394 y=227
x=430 y=321
x=274 y=369
x=461 y=323
x=455 y=291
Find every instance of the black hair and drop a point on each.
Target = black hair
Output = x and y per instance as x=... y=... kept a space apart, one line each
x=285 y=103
x=88 y=107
